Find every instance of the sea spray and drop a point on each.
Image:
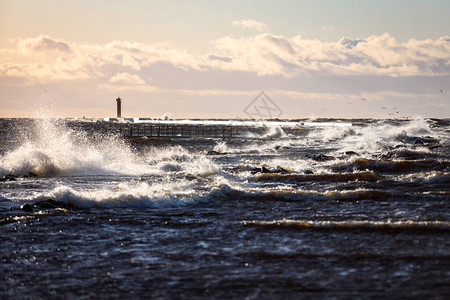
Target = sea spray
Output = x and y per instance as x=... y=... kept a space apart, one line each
x=49 y=148
x=273 y=132
x=180 y=161
x=380 y=136
x=221 y=147
x=130 y=194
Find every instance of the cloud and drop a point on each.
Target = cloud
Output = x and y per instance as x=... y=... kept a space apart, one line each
x=221 y=58
x=300 y=74
x=126 y=78
x=249 y=24
x=268 y=54
x=209 y=92
x=44 y=43
x=350 y=43
x=46 y=59
x=128 y=88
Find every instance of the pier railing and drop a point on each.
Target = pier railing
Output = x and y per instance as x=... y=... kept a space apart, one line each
x=157 y=130
x=164 y=130
x=171 y=129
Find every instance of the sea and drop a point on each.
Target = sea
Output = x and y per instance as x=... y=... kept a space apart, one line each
x=281 y=212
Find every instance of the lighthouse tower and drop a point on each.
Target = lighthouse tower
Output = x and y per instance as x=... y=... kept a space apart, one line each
x=119 y=107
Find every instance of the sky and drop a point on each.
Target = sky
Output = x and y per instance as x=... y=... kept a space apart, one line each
x=213 y=59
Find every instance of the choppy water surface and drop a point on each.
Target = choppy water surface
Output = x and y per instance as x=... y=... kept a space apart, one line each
x=358 y=212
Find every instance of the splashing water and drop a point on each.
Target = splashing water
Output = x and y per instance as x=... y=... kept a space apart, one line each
x=260 y=216
x=51 y=148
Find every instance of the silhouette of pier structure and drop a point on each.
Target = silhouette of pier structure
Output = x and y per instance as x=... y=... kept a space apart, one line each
x=168 y=128
x=196 y=128
x=175 y=131
x=156 y=129
x=162 y=130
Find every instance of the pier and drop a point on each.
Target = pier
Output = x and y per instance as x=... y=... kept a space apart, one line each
x=138 y=128
x=161 y=130
x=197 y=128
x=176 y=131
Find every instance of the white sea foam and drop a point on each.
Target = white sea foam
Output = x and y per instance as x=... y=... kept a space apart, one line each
x=270 y=132
x=203 y=167
x=221 y=147
x=328 y=134
x=429 y=177
x=179 y=160
x=274 y=132
x=126 y=194
x=374 y=138
x=175 y=176
x=53 y=149
x=152 y=192
x=296 y=165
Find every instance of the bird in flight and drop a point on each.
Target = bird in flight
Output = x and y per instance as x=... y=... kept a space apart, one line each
x=441 y=91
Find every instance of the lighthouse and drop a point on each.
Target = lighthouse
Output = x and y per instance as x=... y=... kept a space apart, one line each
x=119 y=107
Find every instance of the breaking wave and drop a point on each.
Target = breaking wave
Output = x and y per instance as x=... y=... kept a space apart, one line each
x=52 y=149
x=387 y=226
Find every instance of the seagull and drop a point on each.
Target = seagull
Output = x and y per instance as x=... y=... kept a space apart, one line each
x=363 y=99
x=441 y=91
x=383 y=107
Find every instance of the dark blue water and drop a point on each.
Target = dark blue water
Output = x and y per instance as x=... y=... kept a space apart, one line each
x=358 y=212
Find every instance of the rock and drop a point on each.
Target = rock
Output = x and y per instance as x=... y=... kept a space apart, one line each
x=213 y=152
x=255 y=170
x=265 y=170
x=351 y=153
x=190 y=177
x=282 y=170
x=425 y=141
x=14 y=177
x=308 y=172
x=319 y=157
x=9 y=177
x=282 y=148
x=30 y=175
x=26 y=207
x=50 y=204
